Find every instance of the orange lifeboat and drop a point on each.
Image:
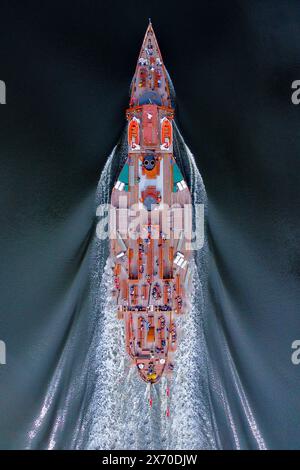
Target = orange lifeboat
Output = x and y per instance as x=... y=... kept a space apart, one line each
x=166 y=133
x=134 y=133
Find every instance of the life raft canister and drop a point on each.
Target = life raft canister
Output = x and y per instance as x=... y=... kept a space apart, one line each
x=166 y=133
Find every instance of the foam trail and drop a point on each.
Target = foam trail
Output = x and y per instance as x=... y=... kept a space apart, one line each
x=118 y=415
x=192 y=424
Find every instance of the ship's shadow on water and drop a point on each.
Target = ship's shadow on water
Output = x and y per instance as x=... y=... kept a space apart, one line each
x=116 y=412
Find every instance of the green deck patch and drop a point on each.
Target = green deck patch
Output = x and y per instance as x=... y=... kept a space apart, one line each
x=124 y=176
x=177 y=176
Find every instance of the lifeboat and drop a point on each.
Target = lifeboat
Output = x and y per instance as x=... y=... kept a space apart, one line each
x=166 y=134
x=134 y=134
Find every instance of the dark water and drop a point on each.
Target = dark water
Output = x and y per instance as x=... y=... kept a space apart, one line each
x=67 y=69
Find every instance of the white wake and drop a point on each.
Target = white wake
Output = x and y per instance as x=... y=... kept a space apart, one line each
x=118 y=414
